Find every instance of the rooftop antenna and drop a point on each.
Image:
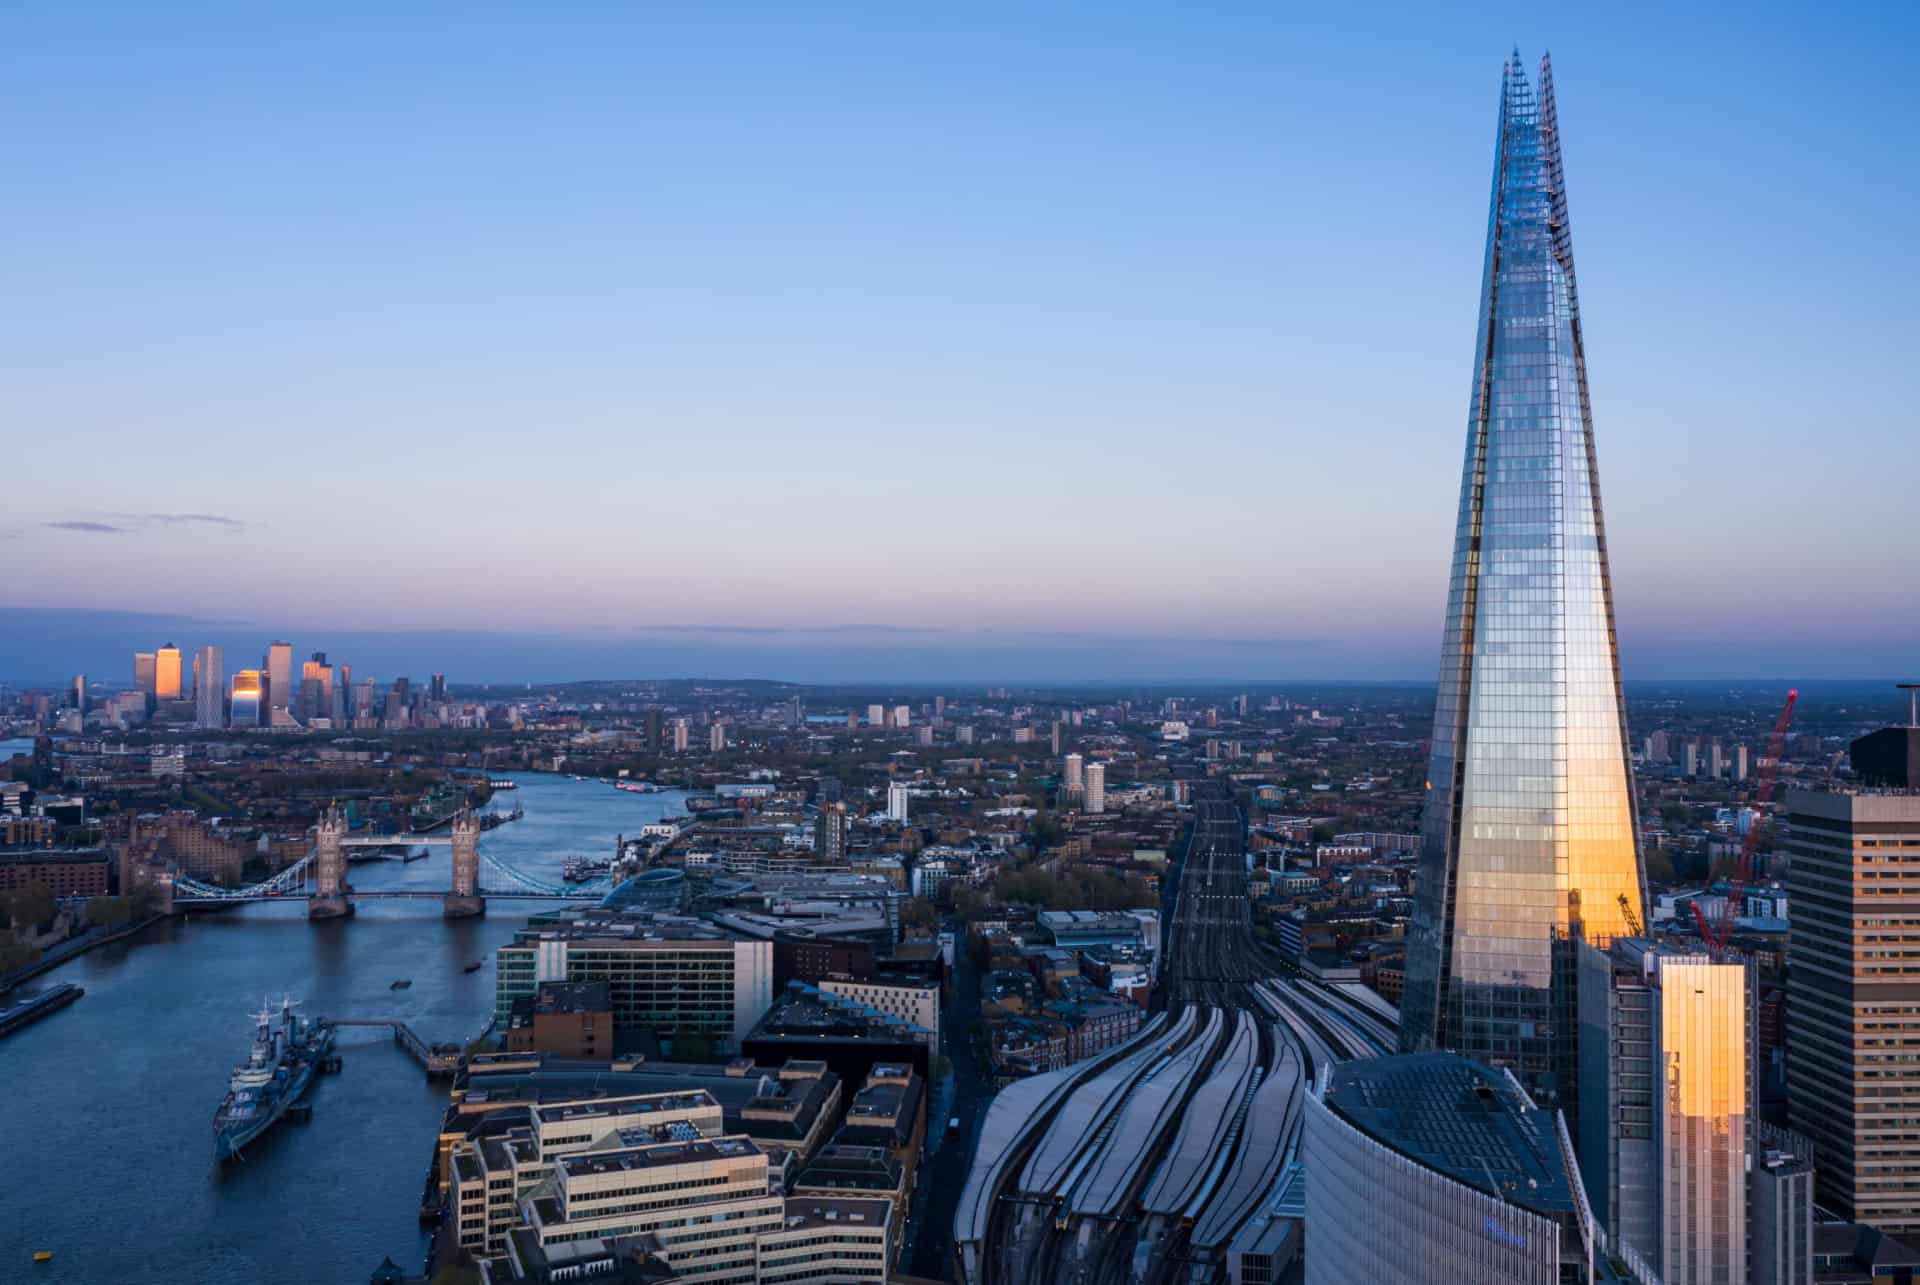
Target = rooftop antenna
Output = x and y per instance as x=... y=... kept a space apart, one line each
x=1913 y=702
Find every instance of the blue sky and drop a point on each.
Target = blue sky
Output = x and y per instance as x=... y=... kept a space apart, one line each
x=1105 y=322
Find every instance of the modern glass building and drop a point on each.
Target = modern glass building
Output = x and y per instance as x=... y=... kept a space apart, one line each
x=1528 y=839
x=1428 y=1167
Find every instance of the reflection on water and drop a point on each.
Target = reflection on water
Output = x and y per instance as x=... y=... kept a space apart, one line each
x=106 y=1108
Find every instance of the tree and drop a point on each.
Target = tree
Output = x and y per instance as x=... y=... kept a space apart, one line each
x=33 y=906
x=920 y=913
x=1659 y=867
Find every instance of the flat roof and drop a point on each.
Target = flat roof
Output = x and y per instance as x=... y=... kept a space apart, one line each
x=656 y=1155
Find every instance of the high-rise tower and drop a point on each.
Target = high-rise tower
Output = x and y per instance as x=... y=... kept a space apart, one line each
x=1529 y=827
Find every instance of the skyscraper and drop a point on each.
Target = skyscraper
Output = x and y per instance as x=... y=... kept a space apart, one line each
x=1095 y=775
x=249 y=698
x=166 y=673
x=1529 y=826
x=279 y=676
x=1663 y=1105
x=210 y=687
x=1853 y=1007
x=145 y=671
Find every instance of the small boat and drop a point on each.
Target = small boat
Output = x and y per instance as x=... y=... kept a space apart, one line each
x=476 y=966
x=402 y=984
x=43 y=1256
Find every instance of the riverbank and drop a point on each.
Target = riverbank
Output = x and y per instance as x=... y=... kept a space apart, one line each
x=72 y=948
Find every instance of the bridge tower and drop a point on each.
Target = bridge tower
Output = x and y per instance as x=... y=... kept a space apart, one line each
x=465 y=900
x=330 y=900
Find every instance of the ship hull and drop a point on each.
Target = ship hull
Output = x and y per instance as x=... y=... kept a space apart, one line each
x=229 y=1143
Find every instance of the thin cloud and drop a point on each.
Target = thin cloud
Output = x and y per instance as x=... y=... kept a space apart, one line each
x=91 y=528
x=184 y=519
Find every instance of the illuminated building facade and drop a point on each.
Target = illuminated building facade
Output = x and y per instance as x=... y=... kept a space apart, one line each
x=1528 y=838
x=249 y=698
x=166 y=673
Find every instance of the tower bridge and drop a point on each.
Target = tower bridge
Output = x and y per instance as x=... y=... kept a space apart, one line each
x=319 y=878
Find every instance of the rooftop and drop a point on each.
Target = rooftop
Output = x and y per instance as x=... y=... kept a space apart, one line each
x=655 y=1155
x=1458 y=1117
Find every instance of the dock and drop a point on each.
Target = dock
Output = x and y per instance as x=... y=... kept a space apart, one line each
x=437 y=1060
x=19 y=1016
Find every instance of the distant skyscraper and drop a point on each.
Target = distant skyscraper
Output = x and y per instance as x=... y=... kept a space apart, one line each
x=876 y=715
x=1716 y=761
x=210 y=687
x=902 y=716
x=249 y=698
x=1853 y=1004
x=653 y=729
x=680 y=736
x=1075 y=772
x=166 y=673
x=897 y=798
x=1692 y=756
x=1055 y=745
x=145 y=672
x=717 y=737
x=316 y=687
x=279 y=673
x=1740 y=762
x=830 y=835
x=1529 y=826
x=1096 y=778
x=437 y=688
x=77 y=693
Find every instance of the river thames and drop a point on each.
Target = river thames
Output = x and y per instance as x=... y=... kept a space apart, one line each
x=106 y=1107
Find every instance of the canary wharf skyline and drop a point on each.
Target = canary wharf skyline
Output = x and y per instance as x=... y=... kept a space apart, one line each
x=1111 y=347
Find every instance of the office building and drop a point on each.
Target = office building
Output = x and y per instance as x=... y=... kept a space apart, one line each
x=1095 y=775
x=897 y=798
x=1427 y=1167
x=678 y=977
x=316 y=687
x=909 y=999
x=77 y=693
x=437 y=689
x=145 y=672
x=1528 y=835
x=166 y=673
x=210 y=687
x=278 y=667
x=1853 y=1007
x=248 y=702
x=1663 y=1121
x=804 y=1021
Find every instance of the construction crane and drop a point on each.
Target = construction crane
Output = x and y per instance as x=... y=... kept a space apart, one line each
x=1626 y=911
x=1716 y=933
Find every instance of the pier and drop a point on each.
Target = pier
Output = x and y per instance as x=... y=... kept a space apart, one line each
x=437 y=1060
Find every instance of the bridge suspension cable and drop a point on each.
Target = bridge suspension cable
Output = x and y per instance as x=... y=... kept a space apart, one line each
x=286 y=881
x=516 y=881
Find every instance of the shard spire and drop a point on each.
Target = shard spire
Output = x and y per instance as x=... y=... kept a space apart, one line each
x=1528 y=836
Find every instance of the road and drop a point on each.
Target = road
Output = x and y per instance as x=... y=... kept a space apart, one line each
x=944 y=1174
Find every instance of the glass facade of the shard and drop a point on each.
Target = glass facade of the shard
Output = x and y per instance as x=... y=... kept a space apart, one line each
x=1528 y=836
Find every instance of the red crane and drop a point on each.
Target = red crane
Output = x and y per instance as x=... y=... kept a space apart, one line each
x=1716 y=933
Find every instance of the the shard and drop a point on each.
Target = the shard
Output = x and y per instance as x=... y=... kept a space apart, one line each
x=1528 y=837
